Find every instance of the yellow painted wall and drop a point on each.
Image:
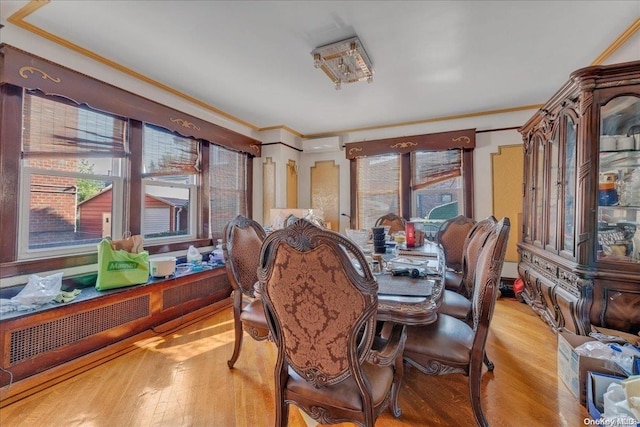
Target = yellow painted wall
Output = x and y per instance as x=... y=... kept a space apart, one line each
x=507 y=175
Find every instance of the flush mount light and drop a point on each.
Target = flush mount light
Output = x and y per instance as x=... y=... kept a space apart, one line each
x=345 y=61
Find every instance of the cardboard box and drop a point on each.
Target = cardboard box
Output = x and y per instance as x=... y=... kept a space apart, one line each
x=573 y=368
x=597 y=385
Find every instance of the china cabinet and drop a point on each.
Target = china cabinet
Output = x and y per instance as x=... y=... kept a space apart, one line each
x=579 y=247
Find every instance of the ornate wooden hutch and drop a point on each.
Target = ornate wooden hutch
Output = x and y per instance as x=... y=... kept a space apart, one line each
x=580 y=241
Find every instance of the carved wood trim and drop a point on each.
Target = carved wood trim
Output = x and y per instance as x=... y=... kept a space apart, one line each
x=464 y=139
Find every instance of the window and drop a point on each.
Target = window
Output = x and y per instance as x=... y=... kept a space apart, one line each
x=436 y=187
x=377 y=188
x=75 y=169
x=228 y=183
x=71 y=177
x=171 y=174
x=435 y=192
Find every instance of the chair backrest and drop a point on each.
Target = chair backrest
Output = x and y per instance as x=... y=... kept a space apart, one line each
x=241 y=242
x=452 y=235
x=290 y=219
x=315 y=220
x=320 y=308
x=395 y=222
x=487 y=282
x=473 y=245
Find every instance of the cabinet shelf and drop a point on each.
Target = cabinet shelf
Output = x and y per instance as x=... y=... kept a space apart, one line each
x=619 y=159
x=620 y=207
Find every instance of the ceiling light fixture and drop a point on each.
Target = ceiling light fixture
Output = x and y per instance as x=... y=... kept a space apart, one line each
x=345 y=61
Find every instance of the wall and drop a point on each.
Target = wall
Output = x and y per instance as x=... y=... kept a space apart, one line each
x=487 y=143
x=490 y=126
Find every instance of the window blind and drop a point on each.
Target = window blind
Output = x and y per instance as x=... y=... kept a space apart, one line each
x=377 y=188
x=431 y=167
x=54 y=129
x=167 y=153
x=229 y=186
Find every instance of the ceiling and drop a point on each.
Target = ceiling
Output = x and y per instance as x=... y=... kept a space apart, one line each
x=251 y=60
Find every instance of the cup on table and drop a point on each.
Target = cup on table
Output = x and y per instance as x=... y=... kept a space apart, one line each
x=378 y=264
x=379 y=238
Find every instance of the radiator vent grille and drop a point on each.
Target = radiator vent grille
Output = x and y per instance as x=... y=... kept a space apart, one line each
x=178 y=295
x=48 y=336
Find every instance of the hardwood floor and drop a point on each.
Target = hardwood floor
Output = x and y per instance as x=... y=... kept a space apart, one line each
x=182 y=379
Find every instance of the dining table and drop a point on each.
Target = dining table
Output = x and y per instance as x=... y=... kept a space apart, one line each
x=414 y=293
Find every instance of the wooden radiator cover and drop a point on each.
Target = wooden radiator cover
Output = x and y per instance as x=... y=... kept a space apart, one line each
x=41 y=340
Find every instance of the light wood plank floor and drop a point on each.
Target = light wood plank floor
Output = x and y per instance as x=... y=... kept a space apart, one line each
x=182 y=379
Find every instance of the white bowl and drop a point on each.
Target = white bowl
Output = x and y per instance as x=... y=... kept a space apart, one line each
x=162 y=266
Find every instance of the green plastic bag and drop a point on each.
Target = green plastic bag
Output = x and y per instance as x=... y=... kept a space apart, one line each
x=119 y=268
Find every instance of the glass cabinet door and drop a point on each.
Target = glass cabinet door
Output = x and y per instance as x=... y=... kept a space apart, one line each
x=618 y=195
x=552 y=215
x=529 y=179
x=538 y=209
x=569 y=187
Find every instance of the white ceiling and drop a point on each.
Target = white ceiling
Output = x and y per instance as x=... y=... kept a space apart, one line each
x=251 y=59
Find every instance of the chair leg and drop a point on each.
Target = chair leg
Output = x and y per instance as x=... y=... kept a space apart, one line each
x=395 y=388
x=282 y=415
x=488 y=362
x=236 y=345
x=476 y=400
x=237 y=326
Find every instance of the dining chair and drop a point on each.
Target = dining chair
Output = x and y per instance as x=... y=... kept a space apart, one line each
x=451 y=236
x=451 y=345
x=321 y=309
x=458 y=303
x=395 y=222
x=241 y=242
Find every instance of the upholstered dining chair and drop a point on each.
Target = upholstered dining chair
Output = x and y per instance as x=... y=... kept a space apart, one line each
x=395 y=222
x=241 y=242
x=451 y=236
x=321 y=310
x=458 y=303
x=451 y=345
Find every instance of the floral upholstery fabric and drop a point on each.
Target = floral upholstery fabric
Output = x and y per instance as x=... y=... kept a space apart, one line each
x=317 y=307
x=246 y=257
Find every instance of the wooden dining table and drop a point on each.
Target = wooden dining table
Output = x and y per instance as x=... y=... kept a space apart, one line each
x=409 y=310
x=400 y=299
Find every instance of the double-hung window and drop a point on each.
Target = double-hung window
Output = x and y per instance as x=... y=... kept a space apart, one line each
x=170 y=179
x=72 y=177
x=378 y=189
x=228 y=183
x=436 y=184
x=430 y=184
